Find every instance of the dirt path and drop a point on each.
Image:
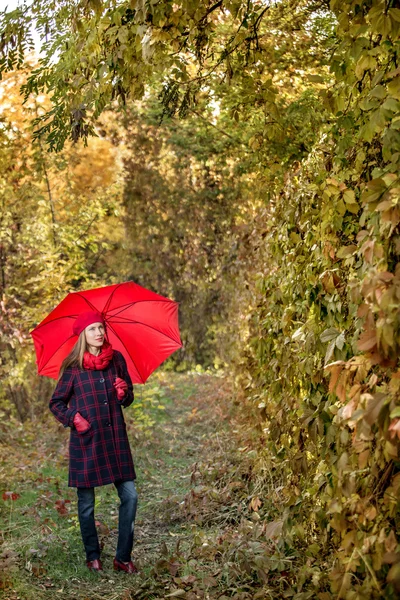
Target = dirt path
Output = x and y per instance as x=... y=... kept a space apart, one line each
x=180 y=441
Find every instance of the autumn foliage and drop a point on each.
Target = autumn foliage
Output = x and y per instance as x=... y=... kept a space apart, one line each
x=259 y=147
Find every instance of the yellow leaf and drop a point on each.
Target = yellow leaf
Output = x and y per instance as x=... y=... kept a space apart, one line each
x=363 y=459
x=349 y=197
x=395 y=14
x=255 y=503
x=391 y=450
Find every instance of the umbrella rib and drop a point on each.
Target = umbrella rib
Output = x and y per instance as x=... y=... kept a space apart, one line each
x=124 y=307
x=110 y=298
x=150 y=327
x=156 y=300
x=128 y=304
x=120 y=309
x=127 y=351
x=53 y=321
x=86 y=300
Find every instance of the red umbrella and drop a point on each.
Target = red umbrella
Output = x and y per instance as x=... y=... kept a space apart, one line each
x=141 y=324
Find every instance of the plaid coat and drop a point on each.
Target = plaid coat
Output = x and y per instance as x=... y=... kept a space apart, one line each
x=101 y=455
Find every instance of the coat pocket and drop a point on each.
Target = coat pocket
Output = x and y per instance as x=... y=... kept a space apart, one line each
x=85 y=433
x=88 y=430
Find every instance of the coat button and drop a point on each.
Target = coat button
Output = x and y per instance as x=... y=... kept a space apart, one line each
x=108 y=424
x=101 y=380
x=105 y=402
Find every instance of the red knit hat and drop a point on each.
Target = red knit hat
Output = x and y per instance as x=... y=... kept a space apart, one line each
x=85 y=319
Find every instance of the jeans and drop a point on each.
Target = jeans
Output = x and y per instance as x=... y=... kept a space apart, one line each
x=127 y=513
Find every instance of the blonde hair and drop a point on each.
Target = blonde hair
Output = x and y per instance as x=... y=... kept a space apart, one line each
x=75 y=357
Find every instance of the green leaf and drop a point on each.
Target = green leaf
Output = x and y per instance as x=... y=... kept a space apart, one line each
x=391 y=104
x=346 y=251
x=367 y=131
x=340 y=340
x=374 y=190
x=329 y=334
x=365 y=63
x=329 y=351
x=379 y=92
x=394 y=88
x=315 y=78
x=298 y=335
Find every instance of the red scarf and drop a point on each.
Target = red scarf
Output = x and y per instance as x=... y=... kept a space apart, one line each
x=101 y=361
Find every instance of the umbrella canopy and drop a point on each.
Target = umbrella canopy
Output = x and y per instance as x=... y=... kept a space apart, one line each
x=139 y=323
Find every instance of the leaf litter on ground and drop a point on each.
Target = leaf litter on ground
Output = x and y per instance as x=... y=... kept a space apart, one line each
x=203 y=528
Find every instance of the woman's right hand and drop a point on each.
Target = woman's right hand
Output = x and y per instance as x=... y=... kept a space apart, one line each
x=81 y=425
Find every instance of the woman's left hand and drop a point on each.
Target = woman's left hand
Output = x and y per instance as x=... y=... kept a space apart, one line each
x=120 y=387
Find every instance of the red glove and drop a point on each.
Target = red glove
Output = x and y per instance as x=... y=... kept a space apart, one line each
x=81 y=425
x=120 y=387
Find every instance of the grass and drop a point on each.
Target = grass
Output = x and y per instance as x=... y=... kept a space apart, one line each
x=211 y=515
x=197 y=533
x=41 y=553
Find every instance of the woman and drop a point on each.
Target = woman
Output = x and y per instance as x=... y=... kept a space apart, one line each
x=93 y=386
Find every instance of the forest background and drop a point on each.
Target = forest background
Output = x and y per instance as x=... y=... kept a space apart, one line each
x=241 y=157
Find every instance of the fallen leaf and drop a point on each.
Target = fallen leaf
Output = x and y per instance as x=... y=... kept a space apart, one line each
x=10 y=496
x=255 y=503
x=391 y=542
x=273 y=529
x=61 y=506
x=177 y=594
